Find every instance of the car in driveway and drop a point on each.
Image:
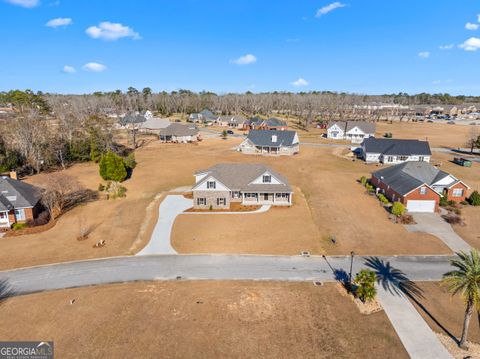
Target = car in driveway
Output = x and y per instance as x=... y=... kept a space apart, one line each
x=230 y=132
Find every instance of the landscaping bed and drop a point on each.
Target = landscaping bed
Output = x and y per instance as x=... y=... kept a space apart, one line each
x=234 y=207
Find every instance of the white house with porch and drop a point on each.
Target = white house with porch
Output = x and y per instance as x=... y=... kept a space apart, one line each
x=249 y=184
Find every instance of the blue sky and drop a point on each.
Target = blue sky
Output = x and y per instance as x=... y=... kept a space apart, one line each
x=363 y=46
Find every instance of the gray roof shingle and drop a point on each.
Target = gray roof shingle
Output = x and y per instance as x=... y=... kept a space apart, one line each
x=407 y=176
x=178 y=129
x=265 y=138
x=238 y=176
x=388 y=146
x=17 y=194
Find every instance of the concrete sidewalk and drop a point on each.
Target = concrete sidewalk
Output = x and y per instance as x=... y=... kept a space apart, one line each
x=435 y=225
x=417 y=337
x=169 y=209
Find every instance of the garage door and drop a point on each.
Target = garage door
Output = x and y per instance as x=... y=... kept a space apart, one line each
x=421 y=206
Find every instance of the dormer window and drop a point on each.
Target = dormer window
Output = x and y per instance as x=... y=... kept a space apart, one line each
x=274 y=138
x=423 y=190
x=211 y=184
x=267 y=179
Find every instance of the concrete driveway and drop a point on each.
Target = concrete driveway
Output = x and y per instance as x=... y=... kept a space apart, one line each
x=168 y=210
x=435 y=225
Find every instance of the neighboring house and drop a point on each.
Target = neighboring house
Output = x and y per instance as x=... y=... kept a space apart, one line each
x=419 y=185
x=205 y=116
x=355 y=131
x=392 y=151
x=236 y=121
x=154 y=125
x=247 y=183
x=132 y=120
x=179 y=133
x=271 y=142
x=19 y=202
x=272 y=123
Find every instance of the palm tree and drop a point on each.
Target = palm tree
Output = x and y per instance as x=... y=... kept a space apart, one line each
x=465 y=280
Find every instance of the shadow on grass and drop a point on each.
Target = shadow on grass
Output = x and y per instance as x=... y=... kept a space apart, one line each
x=396 y=282
x=6 y=291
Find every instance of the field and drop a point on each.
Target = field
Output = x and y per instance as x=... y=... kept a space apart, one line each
x=329 y=202
x=201 y=320
x=444 y=313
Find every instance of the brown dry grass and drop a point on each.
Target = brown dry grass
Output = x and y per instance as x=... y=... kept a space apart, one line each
x=335 y=205
x=201 y=320
x=445 y=313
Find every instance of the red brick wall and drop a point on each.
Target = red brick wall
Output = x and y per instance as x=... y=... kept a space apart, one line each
x=389 y=192
x=431 y=195
x=457 y=199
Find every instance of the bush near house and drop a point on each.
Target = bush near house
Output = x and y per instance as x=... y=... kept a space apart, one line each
x=382 y=198
x=112 y=167
x=398 y=209
x=443 y=201
x=474 y=198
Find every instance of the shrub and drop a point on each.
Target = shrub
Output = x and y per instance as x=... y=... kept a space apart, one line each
x=112 y=167
x=464 y=203
x=382 y=198
x=365 y=281
x=407 y=219
x=210 y=208
x=443 y=201
x=363 y=180
x=130 y=162
x=121 y=191
x=17 y=226
x=457 y=211
x=474 y=198
x=452 y=203
x=398 y=209
x=452 y=219
x=101 y=187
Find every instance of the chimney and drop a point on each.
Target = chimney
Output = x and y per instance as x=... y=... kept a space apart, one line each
x=274 y=138
x=13 y=175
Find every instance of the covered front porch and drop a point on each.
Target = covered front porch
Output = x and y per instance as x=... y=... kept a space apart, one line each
x=268 y=150
x=4 y=220
x=277 y=199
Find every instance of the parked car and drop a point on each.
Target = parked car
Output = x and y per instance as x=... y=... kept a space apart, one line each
x=462 y=161
x=230 y=132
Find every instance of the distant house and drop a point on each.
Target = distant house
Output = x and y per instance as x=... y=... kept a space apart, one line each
x=236 y=121
x=249 y=184
x=271 y=142
x=131 y=120
x=272 y=123
x=355 y=131
x=392 y=151
x=205 y=116
x=154 y=125
x=179 y=133
x=19 y=202
x=418 y=185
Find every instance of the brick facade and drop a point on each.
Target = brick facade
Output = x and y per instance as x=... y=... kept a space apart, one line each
x=211 y=199
x=457 y=199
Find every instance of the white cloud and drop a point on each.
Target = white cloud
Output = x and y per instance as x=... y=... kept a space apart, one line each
x=446 y=47
x=471 y=26
x=330 y=7
x=111 y=31
x=478 y=17
x=69 y=69
x=24 y=3
x=472 y=44
x=299 y=83
x=424 y=54
x=94 y=66
x=244 y=60
x=60 y=21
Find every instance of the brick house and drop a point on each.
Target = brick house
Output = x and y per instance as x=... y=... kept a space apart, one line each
x=272 y=123
x=249 y=184
x=19 y=202
x=419 y=186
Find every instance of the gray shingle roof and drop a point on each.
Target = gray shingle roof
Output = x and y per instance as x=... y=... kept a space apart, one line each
x=17 y=194
x=238 y=176
x=366 y=127
x=155 y=123
x=407 y=176
x=387 y=146
x=131 y=118
x=270 y=122
x=178 y=129
x=265 y=138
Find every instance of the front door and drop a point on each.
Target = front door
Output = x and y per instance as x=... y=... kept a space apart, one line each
x=265 y=196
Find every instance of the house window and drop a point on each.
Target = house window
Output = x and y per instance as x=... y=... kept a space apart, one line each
x=423 y=190
x=281 y=195
x=457 y=192
x=3 y=217
x=20 y=214
x=390 y=159
x=221 y=201
x=211 y=184
x=421 y=158
x=267 y=179
x=201 y=201
x=403 y=158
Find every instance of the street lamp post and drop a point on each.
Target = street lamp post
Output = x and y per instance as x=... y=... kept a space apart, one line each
x=352 y=254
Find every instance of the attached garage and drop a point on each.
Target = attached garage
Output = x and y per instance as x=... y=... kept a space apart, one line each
x=421 y=206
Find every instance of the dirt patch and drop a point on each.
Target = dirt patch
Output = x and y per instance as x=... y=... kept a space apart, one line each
x=201 y=320
x=369 y=307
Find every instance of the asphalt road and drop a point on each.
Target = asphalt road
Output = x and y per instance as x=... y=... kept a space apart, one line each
x=213 y=267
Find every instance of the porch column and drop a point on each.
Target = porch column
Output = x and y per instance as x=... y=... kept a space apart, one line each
x=290 y=198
